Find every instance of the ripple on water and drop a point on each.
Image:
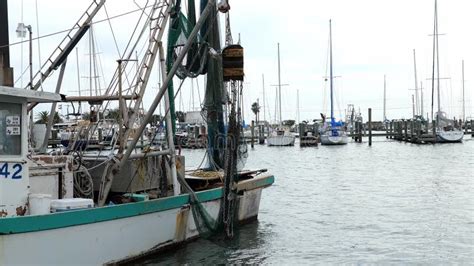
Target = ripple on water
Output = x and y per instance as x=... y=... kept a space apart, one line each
x=392 y=203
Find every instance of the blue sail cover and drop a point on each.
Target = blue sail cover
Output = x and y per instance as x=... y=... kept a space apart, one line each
x=336 y=124
x=335 y=127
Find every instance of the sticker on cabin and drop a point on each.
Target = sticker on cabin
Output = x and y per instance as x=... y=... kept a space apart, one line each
x=13 y=131
x=13 y=120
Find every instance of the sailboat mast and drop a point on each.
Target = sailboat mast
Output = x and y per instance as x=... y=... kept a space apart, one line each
x=421 y=100
x=79 y=110
x=384 y=99
x=264 y=103
x=297 y=106
x=433 y=68
x=94 y=62
x=416 y=83
x=330 y=70
x=90 y=63
x=437 y=56
x=279 y=84
x=463 y=99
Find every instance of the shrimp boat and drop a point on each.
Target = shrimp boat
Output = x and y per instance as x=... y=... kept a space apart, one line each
x=332 y=132
x=72 y=209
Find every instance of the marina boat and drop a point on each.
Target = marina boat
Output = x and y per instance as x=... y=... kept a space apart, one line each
x=132 y=202
x=352 y=117
x=447 y=130
x=280 y=136
x=332 y=132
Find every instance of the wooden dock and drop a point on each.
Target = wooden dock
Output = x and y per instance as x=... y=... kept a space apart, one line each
x=408 y=130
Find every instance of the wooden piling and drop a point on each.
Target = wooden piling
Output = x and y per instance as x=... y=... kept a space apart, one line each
x=252 y=130
x=261 y=137
x=472 y=131
x=100 y=135
x=370 y=126
x=435 y=139
x=357 y=131
x=391 y=130
x=405 y=128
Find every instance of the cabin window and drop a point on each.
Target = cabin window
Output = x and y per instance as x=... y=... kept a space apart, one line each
x=10 y=128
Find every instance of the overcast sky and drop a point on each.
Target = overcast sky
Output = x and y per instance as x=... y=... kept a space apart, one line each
x=371 y=38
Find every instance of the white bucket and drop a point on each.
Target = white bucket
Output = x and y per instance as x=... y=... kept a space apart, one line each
x=39 y=204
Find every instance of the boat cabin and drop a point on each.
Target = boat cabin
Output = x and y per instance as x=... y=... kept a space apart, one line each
x=14 y=170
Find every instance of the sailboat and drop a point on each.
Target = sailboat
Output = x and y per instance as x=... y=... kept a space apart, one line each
x=332 y=132
x=447 y=130
x=42 y=222
x=280 y=136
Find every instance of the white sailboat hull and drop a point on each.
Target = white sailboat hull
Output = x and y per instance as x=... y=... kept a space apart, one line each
x=284 y=140
x=333 y=140
x=449 y=136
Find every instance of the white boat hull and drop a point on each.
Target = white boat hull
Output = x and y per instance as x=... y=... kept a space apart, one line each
x=91 y=244
x=284 y=140
x=333 y=140
x=449 y=136
x=116 y=240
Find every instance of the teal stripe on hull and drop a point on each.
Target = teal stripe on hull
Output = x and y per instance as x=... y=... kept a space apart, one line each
x=23 y=224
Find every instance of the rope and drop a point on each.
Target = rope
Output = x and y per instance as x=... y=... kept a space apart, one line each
x=83 y=184
x=39 y=46
x=69 y=29
x=112 y=30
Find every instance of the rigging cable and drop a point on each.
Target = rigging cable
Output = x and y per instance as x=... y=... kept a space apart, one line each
x=69 y=29
x=21 y=51
x=39 y=46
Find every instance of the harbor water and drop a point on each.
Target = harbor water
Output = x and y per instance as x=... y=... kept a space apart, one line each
x=393 y=202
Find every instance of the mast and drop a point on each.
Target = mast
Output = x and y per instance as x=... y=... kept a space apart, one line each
x=263 y=88
x=463 y=99
x=384 y=99
x=421 y=100
x=279 y=85
x=416 y=83
x=330 y=72
x=298 y=106
x=94 y=63
x=6 y=72
x=79 y=110
x=437 y=59
x=90 y=63
x=433 y=68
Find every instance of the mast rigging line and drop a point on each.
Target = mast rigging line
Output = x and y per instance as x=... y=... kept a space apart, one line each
x=182 y=80
x=133 y=34
x=39 y=46
x=112 y=87
x=66 y=30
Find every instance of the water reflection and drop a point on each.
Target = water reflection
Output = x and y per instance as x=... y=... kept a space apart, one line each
x=389 y=203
